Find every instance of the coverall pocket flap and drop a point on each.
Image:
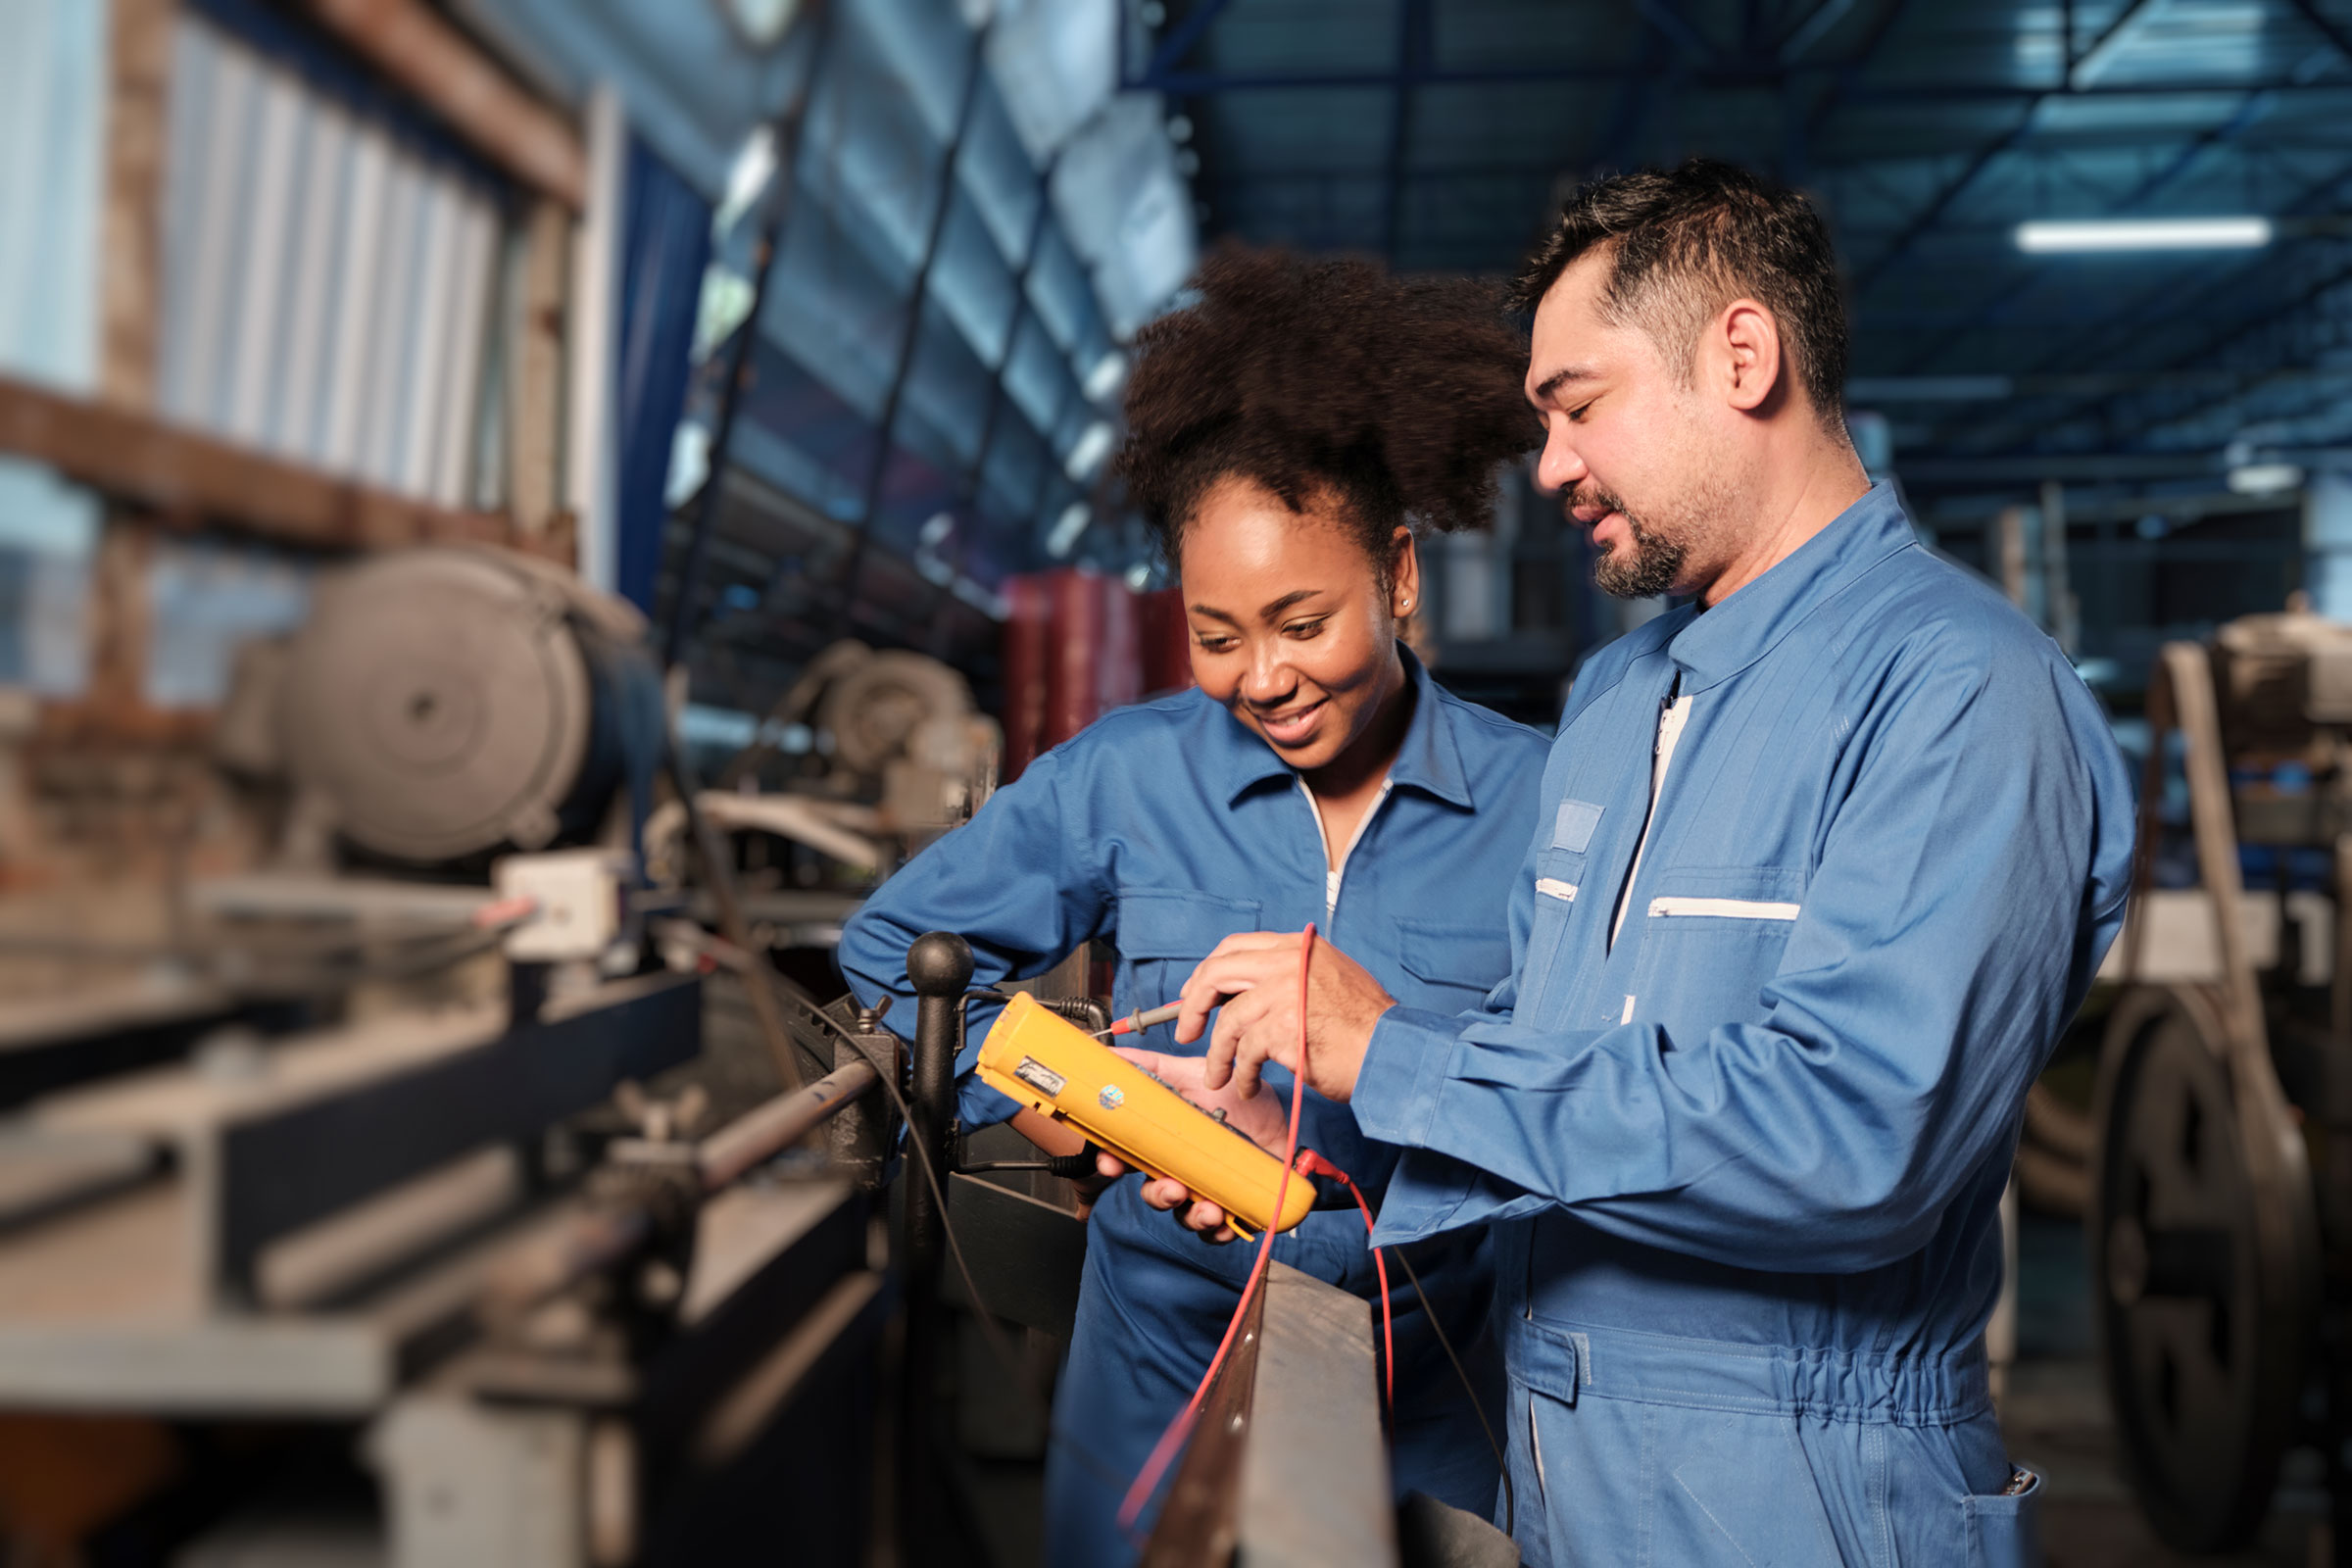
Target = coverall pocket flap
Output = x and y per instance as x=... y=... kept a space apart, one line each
x=1475 y=957
x=1166 y=923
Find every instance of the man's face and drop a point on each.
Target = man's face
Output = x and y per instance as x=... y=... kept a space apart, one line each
x=1626 y=442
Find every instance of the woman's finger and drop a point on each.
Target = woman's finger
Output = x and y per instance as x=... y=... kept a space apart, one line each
x=1203 y=1218
x=1180 y=1073
x=1163 y=1193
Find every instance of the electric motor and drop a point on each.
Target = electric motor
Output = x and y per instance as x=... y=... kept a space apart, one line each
x=442 y=702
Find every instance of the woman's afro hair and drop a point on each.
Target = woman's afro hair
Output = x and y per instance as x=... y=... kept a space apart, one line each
x=1401 y=395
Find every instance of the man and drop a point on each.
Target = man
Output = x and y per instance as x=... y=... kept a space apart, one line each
x=1828 y=856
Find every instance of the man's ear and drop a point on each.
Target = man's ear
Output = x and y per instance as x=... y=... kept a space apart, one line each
x=1747 y=344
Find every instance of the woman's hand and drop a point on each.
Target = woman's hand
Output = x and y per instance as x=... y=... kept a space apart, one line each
x=1255 y=978
x=1265 y=1120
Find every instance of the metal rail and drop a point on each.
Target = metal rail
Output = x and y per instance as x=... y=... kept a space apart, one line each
x=1286 y=1468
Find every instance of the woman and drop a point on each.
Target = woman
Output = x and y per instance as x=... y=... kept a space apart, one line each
x=1284 y=432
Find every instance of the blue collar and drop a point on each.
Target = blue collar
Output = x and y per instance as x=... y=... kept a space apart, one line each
x=1429 y=759
x=1715 y=645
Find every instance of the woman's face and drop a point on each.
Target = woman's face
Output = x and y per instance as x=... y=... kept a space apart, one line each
x=1291 y=629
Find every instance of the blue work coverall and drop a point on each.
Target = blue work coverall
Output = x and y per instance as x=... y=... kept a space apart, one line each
x=1743 y=1169
x=1166 y=828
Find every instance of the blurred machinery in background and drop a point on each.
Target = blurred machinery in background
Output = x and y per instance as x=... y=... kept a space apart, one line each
x=416 y=1222
x=866 y=758
x=441 y=704
x=2221 y=1217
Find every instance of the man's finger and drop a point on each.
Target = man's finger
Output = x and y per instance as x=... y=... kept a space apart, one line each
x=1236 y=964
x=1254 y=942
x=1216 y=1067
x=1204 y=991
x=1110 y=1166
x=1237 y=1027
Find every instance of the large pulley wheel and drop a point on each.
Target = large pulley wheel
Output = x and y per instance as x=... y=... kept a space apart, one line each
x=2204 y=1266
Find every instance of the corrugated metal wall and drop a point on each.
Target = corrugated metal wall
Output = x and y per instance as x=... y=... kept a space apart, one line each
x=328 y=283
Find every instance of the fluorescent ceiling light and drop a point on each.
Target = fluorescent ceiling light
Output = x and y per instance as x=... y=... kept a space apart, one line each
x=1087 y=452
x=2145 y=234
x=2264 y=478
x=1108 y=375
x=1067 y=527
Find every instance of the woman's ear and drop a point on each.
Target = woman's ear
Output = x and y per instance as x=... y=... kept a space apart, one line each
x=1404 y=573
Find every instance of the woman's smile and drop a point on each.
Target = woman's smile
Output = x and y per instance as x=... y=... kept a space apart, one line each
x=1293 y=726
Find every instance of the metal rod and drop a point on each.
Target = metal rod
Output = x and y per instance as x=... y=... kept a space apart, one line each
x=710 y=849
x=760 y=1135
x=739 y=352
x=603 y=1238
x=939 y=966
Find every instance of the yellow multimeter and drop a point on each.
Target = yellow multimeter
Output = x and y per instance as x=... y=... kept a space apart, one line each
x=1045 y=1062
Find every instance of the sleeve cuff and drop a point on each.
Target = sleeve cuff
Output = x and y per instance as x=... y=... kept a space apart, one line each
x=1396 y=1088
x=977 y=1105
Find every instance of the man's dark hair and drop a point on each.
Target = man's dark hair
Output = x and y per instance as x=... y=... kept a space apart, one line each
x=1399 y=395
x=1689 y=242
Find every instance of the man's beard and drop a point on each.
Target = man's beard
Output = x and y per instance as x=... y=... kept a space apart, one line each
x=1646 y=564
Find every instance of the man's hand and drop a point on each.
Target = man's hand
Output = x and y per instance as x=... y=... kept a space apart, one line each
x=1254 y=976
x=1264 y=1121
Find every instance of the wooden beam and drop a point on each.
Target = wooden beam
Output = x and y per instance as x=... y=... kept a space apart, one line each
x=192 y=481
x=535 y=372
x=131 y=252
x=407 y=41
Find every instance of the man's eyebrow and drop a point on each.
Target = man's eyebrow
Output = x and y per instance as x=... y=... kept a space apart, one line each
x=1562 y=377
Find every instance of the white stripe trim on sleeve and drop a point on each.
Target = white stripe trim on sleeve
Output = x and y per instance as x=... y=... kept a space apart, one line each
x=1553 y=887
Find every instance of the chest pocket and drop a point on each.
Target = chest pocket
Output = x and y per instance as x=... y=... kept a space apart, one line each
x=1711 y=942
x=1162 y=934
x=1455 y=965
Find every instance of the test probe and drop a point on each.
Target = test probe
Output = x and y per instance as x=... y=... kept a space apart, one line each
x=1135 y=1023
